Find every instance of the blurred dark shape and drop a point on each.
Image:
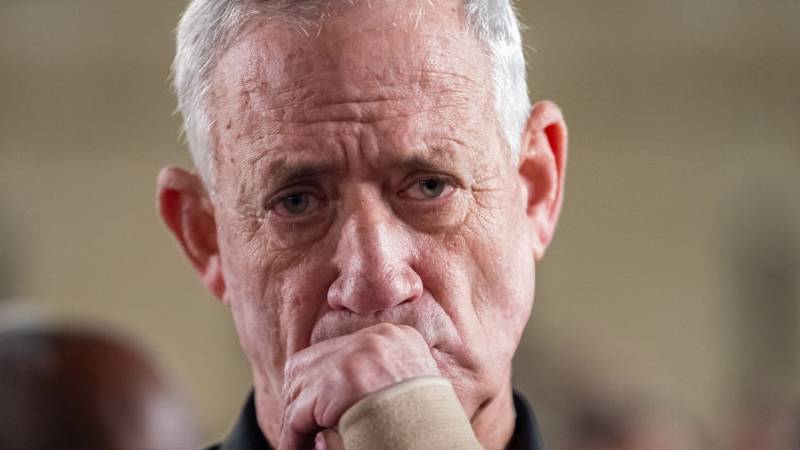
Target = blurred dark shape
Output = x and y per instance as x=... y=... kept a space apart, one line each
x=763 y=251
x=9 y=265
x=587 y=399
x=768 y=421
x=72 y=389
x=630 y=424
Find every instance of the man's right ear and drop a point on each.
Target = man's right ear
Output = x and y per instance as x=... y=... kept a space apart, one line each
x=189 y=214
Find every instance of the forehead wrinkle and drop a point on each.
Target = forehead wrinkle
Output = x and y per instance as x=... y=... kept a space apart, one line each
x=264 y=115
x=297 y=163
x=272 y=52
x=354 y=92
x=286 y=166
x=387 y=144
x=438 y=86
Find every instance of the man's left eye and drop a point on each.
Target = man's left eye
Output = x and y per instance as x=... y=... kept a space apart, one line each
x=429 y=189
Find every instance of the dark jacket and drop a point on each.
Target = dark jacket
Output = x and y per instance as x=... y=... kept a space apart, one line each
x=246 y=434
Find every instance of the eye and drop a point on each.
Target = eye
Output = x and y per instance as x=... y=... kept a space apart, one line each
x=429 y=188
x=296 y=204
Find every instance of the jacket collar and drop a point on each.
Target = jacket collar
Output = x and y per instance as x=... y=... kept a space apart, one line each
x=247 y=435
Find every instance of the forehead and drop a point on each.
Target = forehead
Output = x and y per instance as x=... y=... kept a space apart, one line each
x=357 y=64
x=354 y=41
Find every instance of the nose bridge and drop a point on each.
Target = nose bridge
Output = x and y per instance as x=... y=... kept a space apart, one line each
x=373 y=256
x=370 y=232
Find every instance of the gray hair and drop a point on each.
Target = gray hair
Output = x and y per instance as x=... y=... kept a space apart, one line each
x=207 y=25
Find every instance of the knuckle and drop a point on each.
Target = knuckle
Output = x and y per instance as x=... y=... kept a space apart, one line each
x=372 y=350
x=408 y=330
x=362 y=373
x=373 y=343
x=413 y=334
x=353 y=366
x=386 y=329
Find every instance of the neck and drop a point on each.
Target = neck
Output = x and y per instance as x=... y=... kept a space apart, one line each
x=494 y=422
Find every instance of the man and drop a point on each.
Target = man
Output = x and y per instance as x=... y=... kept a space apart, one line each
x=374 y=190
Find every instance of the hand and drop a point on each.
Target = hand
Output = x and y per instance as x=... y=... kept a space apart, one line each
x=328 y=440
x=324 y=380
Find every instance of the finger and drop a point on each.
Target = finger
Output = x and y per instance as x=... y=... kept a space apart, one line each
x=319 y=442
x=299 y=425
x=327 y=352
x=324 y=349
x=291 y=440
x=332 y=440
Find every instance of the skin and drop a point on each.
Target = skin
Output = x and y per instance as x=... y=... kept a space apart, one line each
x=368 y=224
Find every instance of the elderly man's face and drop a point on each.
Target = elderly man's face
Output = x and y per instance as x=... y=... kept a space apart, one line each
x=362 y=178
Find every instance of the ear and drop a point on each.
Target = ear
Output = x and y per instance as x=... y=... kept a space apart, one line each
x=188 y=213
x=543 y=160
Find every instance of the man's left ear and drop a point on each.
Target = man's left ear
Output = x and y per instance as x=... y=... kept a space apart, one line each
x=543 y=160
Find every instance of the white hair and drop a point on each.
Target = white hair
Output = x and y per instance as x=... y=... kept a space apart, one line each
x=207 y=26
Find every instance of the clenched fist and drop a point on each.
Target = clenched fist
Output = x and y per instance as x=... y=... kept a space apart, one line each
x=325 y=379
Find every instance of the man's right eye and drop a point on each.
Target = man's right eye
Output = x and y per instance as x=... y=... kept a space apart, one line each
x=297 y=204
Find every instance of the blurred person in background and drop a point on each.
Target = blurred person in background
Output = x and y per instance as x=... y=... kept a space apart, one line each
x=591 y=399
x=630 y=423
x=769 y=421
x=374 y=190
x=72 y=388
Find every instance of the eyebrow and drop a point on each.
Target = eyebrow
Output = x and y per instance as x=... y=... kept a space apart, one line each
x=428 y=162
x=283 y=173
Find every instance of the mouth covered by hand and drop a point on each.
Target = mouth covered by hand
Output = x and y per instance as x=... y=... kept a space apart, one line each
x=425 y=315
x=322 y=381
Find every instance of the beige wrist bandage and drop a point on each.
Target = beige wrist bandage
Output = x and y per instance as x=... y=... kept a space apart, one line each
x=421 y=413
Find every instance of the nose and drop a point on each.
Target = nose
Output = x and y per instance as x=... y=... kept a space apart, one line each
x=373 y=256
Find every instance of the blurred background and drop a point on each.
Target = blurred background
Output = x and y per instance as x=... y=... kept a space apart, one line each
x=669 y=304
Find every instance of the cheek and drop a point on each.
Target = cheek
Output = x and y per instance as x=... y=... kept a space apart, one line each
x=302 y=293
x=483 y=280
x=248 y=293
x=493 y=256
x=507 y=277
x=256 y=318
x=275 y=299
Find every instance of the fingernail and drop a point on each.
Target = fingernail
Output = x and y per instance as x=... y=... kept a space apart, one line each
x=319 y=442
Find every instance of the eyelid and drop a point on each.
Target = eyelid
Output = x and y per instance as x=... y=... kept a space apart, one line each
x=417 y=179
x=293 y=188
x=275 y=200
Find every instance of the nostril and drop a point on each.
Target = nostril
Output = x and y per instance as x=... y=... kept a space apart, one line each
x=335 y=295
x=366 y=293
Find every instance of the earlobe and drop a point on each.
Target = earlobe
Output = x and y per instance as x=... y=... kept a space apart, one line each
x=187 y=212
x=542 y=165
